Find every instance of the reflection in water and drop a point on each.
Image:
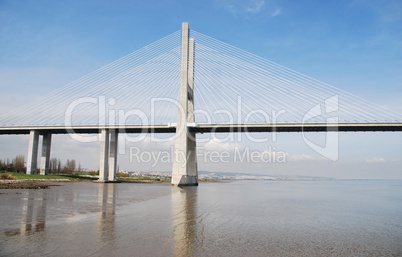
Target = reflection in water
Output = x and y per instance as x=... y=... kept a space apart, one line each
x=35 y=200
x=106 y=221
x=41 y=212
x=184 y=220
x=221 y=219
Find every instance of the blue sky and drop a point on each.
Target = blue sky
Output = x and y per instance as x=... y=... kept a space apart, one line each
x=355 y=45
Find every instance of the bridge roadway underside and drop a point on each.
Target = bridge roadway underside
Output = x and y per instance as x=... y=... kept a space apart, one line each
x=209 y=128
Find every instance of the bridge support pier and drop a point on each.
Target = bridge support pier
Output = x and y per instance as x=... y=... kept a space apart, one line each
x=114 y=136
x=104 y=155
x=108 y=155
x=45 y=159
x=32 y=157
x=185 y=171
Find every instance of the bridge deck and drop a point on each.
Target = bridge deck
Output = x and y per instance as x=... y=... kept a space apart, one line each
x=211 y=128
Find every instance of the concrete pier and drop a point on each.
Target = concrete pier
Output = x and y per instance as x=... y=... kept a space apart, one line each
x=32 y=157
x=45 y=158
x=104 y=156
x=185 y=172
x=114 y=137
x=108 y=155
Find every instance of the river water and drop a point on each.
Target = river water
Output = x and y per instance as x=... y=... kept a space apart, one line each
x=244 y=218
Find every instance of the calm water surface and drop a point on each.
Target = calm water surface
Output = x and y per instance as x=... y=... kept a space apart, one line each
x=264 y=218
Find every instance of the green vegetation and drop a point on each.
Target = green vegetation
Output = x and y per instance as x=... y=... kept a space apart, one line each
x=86 y=173
x=16 y=164
x=55 y=165
x=14 y=169
x=81 y=176
x=16 y=175
x=14 y=180
x=124 y=177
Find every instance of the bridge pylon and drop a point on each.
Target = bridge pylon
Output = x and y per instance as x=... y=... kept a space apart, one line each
x=185 y=171
x=108 y=155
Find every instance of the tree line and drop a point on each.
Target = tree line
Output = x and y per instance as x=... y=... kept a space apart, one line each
x=55 y=165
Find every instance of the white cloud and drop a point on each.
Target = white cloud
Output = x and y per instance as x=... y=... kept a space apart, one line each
x=146 y=142
x=217 y=145
x=375 y=160
x=250 y=8
x=256 y=6
x=277 y=11
x=299 y=157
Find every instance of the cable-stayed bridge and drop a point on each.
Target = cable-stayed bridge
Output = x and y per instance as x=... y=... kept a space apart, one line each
x=188 y=83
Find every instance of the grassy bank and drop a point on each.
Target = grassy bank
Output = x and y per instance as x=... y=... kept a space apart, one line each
x=26 y=184
x=9 y=177
x=24 y=176
x=14 y=180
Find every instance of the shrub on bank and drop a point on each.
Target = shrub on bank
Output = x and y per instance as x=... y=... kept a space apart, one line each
x=6 y=176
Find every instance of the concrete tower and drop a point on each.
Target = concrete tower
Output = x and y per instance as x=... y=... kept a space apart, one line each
x=185 y=171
